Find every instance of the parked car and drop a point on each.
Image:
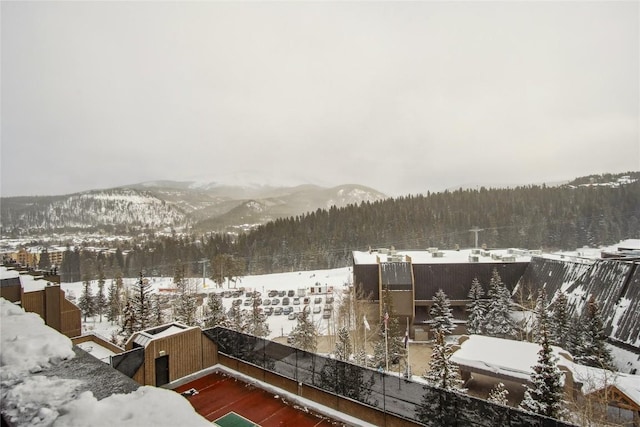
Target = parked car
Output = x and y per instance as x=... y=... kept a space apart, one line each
x=268 y=311
x=277 y=311
x=306 y=300
x=275 y=301
x=326 y=313
x=317 y=300
x=292 y=316
x=237 y=302
x=329 y=300
x=296 y=301
x=285 y=301
x=266 y=301
x=290 y=339
x=287 y=310
x=282 y=294
x=272 y=294
x=317 y=309
x=248 y=301
x=291 y=293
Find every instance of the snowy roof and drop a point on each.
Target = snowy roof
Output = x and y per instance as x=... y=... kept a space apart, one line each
x=37 y=373
x=501 y=356
x=444 y=256
x=29 y=283
x=516 y=358
x=144 y=337
x=591 y=254
x=5 y=273
x=96 y=350
x=594 y=379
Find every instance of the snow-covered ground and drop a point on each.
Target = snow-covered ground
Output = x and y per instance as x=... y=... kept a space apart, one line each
x=323 y=283
x=28 y=347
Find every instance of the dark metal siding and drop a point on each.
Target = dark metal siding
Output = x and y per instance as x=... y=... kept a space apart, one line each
x=367 y=276
x=615 y=285
x=551 y=275
x=396 y=275
x=627 y=326
x=455 y=279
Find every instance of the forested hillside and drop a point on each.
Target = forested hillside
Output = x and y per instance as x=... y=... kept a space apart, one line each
x=531 y=217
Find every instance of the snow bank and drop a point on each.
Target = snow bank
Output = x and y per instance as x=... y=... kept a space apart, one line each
x=27 y=344
x=147 y=406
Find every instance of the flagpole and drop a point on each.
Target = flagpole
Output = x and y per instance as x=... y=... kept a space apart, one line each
x=365 y=347
x=386 y=340
x=407 y=347
x=366 y=328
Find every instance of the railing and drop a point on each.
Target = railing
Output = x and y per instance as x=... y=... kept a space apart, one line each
x=388 y=393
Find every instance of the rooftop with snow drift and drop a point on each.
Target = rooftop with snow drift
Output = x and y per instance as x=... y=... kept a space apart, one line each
x=436 y=256
x=45 y=379
x=511 y=359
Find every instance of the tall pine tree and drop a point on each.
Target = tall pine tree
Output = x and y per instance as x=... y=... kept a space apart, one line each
x=498 y=319
x=476 y=308
x=141 y=304
x=593 y=351
x=86 y=302
x=442 y=372
x=545 y=395
x=343 y=345
x=215 y=314
x=305 y=334
x=541 y=315
x=256 y=320
x=560 y=321
x=441 y=317
x=101 y=298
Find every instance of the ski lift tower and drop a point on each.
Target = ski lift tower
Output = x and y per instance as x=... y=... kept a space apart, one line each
x=476 y=230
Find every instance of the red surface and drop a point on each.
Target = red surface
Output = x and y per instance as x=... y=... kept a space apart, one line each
x=219 y=394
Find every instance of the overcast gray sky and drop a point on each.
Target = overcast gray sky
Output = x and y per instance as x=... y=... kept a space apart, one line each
x=404 y=97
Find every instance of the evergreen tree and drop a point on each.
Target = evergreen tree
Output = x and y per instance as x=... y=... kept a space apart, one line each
x=498 y=319
x=101 y=299
x=185 y=300
x=498 y=394
x=560 y=321
x=476 y=308
x=305 y=334
x=575 y=337
x=43 y=262
x=442 y=372
x=86 y=303
x=343 y=345
x=541 y=315
x=545 y=395
x=129 y=320
x=256 y=320
x=157 y=316
x=441 y=317
x=360 y=358
x=215 y=315
x=237 y=319
x=114 y=302
x=141 y=304
x=593 y=351
x=346 y=379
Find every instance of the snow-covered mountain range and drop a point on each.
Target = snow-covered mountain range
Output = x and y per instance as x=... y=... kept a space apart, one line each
x=174 y=205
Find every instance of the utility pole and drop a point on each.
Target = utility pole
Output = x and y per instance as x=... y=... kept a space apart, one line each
x=476 y=230
x=204 y=265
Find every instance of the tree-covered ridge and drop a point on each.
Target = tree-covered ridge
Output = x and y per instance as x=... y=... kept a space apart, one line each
x=530 y=217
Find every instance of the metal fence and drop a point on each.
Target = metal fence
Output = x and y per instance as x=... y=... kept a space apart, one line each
x=388 y=393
